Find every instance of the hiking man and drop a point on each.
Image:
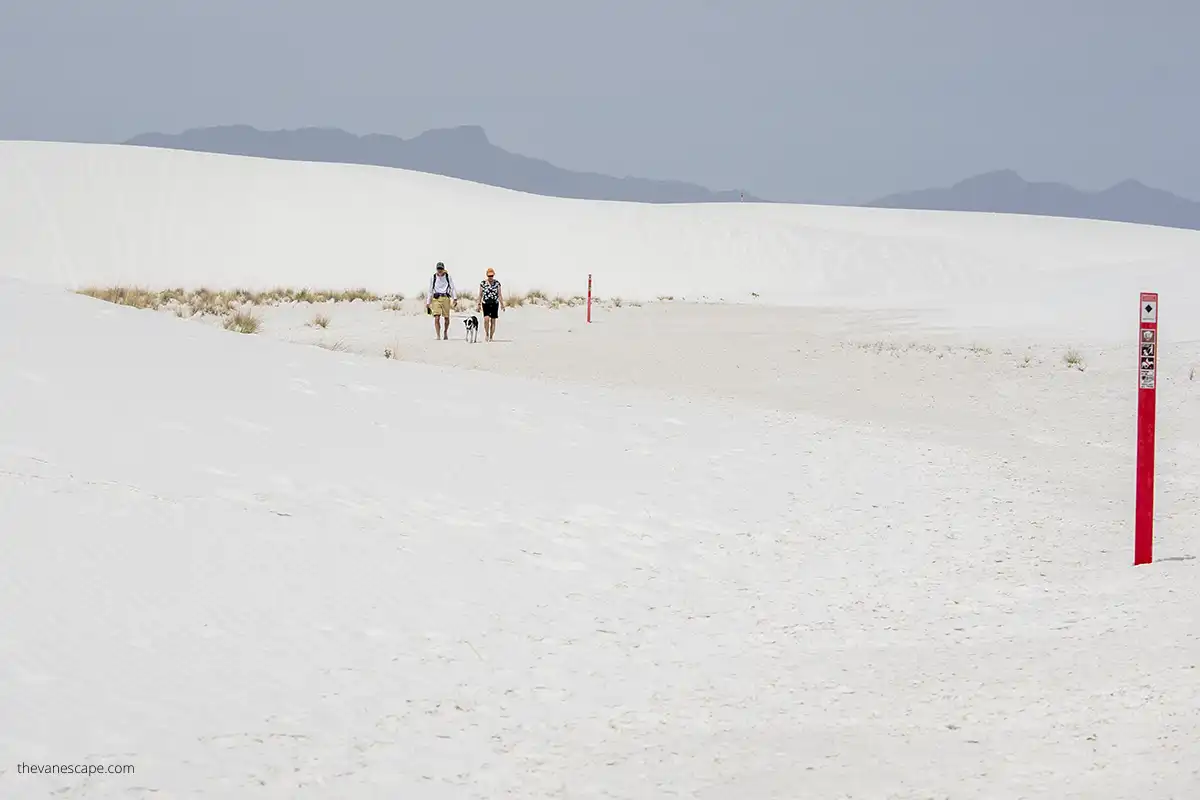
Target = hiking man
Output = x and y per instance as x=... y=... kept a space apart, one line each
x=441 y=294
x=491 y=300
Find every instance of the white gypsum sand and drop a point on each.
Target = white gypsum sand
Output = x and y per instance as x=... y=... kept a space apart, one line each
x=695 y=550
x=91 y=214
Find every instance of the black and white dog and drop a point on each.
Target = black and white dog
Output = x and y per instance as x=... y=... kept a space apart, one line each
x=472 y=323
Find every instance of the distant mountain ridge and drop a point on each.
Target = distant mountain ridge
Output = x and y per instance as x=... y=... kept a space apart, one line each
x=463 y=152
x=1005 y=191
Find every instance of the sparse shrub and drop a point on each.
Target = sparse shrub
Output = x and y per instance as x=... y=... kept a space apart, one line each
x=1073 y=359
x=1192 y=374
x=173 y=296
x=896 y=348
x=666 y=297
x=242 y=322
x=365 y=295
x=320 y=321
x=1027 y=361
x=338 y=347
x=134 y=297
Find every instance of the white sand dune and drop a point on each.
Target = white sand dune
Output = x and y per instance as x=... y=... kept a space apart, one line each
x=696 y=551
x=74 y=214
x=255 y=569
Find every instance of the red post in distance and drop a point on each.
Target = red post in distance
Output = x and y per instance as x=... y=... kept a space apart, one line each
x=1143 y=536
x=589 y=298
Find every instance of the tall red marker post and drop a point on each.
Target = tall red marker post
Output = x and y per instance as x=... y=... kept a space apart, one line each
x=1143 y=542
x=589 y=299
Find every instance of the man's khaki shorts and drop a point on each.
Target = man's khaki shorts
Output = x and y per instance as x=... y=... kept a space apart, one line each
x=440 y=306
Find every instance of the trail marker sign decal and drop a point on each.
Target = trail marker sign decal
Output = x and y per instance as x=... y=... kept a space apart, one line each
x=1149 y=307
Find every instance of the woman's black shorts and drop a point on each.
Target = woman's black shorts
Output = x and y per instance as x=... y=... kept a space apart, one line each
x=491 y=308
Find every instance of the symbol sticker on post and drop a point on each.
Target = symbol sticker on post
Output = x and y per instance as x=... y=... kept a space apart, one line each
x=1150 y=310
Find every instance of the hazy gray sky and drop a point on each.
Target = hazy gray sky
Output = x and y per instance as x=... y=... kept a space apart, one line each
x=835 y=101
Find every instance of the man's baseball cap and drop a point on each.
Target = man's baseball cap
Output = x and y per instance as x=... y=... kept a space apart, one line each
x=441 y=265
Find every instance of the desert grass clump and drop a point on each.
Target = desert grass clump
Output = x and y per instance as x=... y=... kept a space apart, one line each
x=1192 y=374
x=133 y=296
x=177 y=296
x=206 y=301
x=320 y=321
x=223 y=302
x=338 y=347
x=537 y=297
x=317 y=296
x=365 y=295
x=242 y=322
x=1073 y=359
x=897 y=348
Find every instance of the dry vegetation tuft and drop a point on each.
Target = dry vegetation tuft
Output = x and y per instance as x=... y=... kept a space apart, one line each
x=242 y=322
x=896 y=348
x=210 y=301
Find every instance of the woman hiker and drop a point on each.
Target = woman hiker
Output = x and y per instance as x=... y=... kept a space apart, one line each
x=491 y=300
